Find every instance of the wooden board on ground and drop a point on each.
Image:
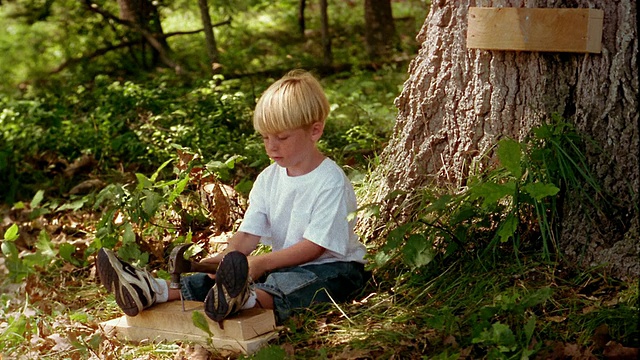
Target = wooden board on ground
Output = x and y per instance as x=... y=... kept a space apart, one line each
x=535 y=29
x=245 y=332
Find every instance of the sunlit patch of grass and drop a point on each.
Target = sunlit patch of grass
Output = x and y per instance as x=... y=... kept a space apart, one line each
x=456 y=312
x=67 y=326
x=468 y=309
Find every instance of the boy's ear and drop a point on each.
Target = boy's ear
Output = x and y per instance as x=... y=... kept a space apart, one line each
x=317 y=128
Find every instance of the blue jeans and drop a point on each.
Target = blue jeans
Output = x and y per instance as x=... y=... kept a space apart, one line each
x=296 y=287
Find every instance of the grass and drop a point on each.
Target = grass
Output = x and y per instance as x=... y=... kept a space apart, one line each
x=468 y=309
x=452 y=314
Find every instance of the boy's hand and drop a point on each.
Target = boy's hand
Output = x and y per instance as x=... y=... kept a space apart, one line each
x=240 y=241
x=257 y=267
x=298 y=254
x=211 y=260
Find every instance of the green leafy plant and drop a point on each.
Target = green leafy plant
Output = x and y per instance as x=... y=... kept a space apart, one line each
x=508 y=325
x=200 y=321
x=20 y=266
x=161 y=207
x=121 y=124
x=516 y=202
x=44 y=256
x=17 y=269
x=131 y=213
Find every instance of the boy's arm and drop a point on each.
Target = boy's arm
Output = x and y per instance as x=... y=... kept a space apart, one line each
x=298 y=254
x=240 y=241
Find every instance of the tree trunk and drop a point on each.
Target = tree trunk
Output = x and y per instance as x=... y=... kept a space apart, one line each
x=212 y=47
x=302 y=4
x=146 y=20
x=380 y=31
x=326 y=37
x=458 y=102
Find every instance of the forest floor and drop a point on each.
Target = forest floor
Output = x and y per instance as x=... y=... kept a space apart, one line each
x=529 y=310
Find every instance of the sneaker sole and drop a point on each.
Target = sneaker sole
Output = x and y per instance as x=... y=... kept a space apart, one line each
x=109 y=269
x=231 y=278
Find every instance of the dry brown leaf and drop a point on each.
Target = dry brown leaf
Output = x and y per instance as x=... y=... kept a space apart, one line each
x=450 y=340
x=616 y=351
x=572 y=350
x=184 y=159
x=61 y=343
x=601 y=336
x=81 y=163
x=557 y=319
x=87 y=186
x=288 y=349
x=465 y=352
x=611 y=302
x=349 y=353
x=215 y=197
x=68 y=267
x=193 y=352
x=221 y=211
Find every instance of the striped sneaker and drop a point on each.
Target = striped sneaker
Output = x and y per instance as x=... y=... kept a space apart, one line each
x=231 y=289
x=133 y=288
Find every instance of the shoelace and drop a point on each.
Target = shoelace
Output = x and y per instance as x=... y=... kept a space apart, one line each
x=155 y=287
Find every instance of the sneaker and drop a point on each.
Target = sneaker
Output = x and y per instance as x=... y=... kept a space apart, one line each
x=132 y=287
x=231 y=289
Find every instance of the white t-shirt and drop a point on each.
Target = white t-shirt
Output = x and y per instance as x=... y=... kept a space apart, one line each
x=283 y=210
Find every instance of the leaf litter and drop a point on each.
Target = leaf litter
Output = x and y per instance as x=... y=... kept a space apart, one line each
x=57 y=313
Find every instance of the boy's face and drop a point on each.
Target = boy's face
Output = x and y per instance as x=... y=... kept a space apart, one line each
x=293 y=149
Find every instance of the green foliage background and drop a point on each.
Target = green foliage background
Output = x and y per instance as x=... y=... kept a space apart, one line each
x=475 y=272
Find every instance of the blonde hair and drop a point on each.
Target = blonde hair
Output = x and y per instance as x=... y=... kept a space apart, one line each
x=296 y=100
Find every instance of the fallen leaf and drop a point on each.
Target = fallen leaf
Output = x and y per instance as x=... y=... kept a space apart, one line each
x=81 y=163
x=617 y=351
x=68 y=267
x=87 y=186
x=465 y=352
x=349 y=353
x=601 y=336
x=450 y=340
x=196 y=352
x=288 y=348
x=557 y=319
x=61 y=343
x=572 y=350
x=611 y=302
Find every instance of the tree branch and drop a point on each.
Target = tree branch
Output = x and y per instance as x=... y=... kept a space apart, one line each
x=94 y=54
x=102 y=51
x=148 y=36
x=191 y=32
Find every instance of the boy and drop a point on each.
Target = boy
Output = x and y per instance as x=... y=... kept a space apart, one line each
x=298 y=205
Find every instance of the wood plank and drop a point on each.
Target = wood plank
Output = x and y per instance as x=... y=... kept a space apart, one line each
x=119 y=328
x=535 y=29
x=169 y=316
x=244 y=332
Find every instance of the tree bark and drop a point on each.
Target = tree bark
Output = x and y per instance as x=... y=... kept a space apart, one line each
x=458 y=102
x=380 y=31
x=144 y=17
x=326 y=36
x=302 y=4
x=212 y=47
